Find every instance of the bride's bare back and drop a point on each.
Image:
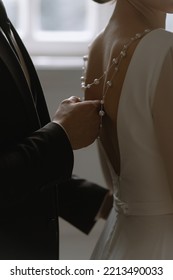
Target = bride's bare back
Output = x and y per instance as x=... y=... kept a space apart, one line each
x=107 y=46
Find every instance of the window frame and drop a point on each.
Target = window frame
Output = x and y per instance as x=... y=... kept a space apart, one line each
x=59 y=44
x=59 y=47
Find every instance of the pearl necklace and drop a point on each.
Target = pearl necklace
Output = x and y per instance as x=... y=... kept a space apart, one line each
x=116 y=62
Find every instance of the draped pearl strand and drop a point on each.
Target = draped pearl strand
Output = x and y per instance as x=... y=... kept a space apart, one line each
x=116 y=62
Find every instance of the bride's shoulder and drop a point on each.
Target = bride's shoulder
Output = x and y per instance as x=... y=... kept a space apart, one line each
x=97 y=41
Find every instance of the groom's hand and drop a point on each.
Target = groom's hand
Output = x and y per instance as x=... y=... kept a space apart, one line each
x=80 y=119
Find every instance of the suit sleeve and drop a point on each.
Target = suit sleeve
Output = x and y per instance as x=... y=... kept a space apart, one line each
x=79 y=202
x=38 y=161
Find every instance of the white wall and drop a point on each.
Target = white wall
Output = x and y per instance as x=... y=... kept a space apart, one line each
x=58 y=84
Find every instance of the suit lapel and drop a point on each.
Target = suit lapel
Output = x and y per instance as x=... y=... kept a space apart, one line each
x=35 y=83
x=8 y=56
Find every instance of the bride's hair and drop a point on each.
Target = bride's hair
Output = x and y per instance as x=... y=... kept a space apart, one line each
x=104 y=1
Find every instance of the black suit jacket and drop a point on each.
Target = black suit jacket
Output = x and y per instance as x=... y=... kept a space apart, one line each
x=36 y=162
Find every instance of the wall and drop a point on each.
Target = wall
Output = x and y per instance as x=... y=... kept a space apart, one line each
x=60 y=83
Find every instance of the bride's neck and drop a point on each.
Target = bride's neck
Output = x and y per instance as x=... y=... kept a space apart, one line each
x=132 y=16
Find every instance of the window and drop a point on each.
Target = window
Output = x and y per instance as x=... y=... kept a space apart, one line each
x=57 y=27
x=169 y=22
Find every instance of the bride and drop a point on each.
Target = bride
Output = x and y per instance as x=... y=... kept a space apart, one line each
x=130 y=70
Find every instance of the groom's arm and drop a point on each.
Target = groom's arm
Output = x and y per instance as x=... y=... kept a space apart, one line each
x=81 y=203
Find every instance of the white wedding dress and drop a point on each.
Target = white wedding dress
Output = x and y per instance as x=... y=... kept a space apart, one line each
x=140 y=225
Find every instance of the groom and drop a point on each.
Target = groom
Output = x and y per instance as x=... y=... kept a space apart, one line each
x=36 y=158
